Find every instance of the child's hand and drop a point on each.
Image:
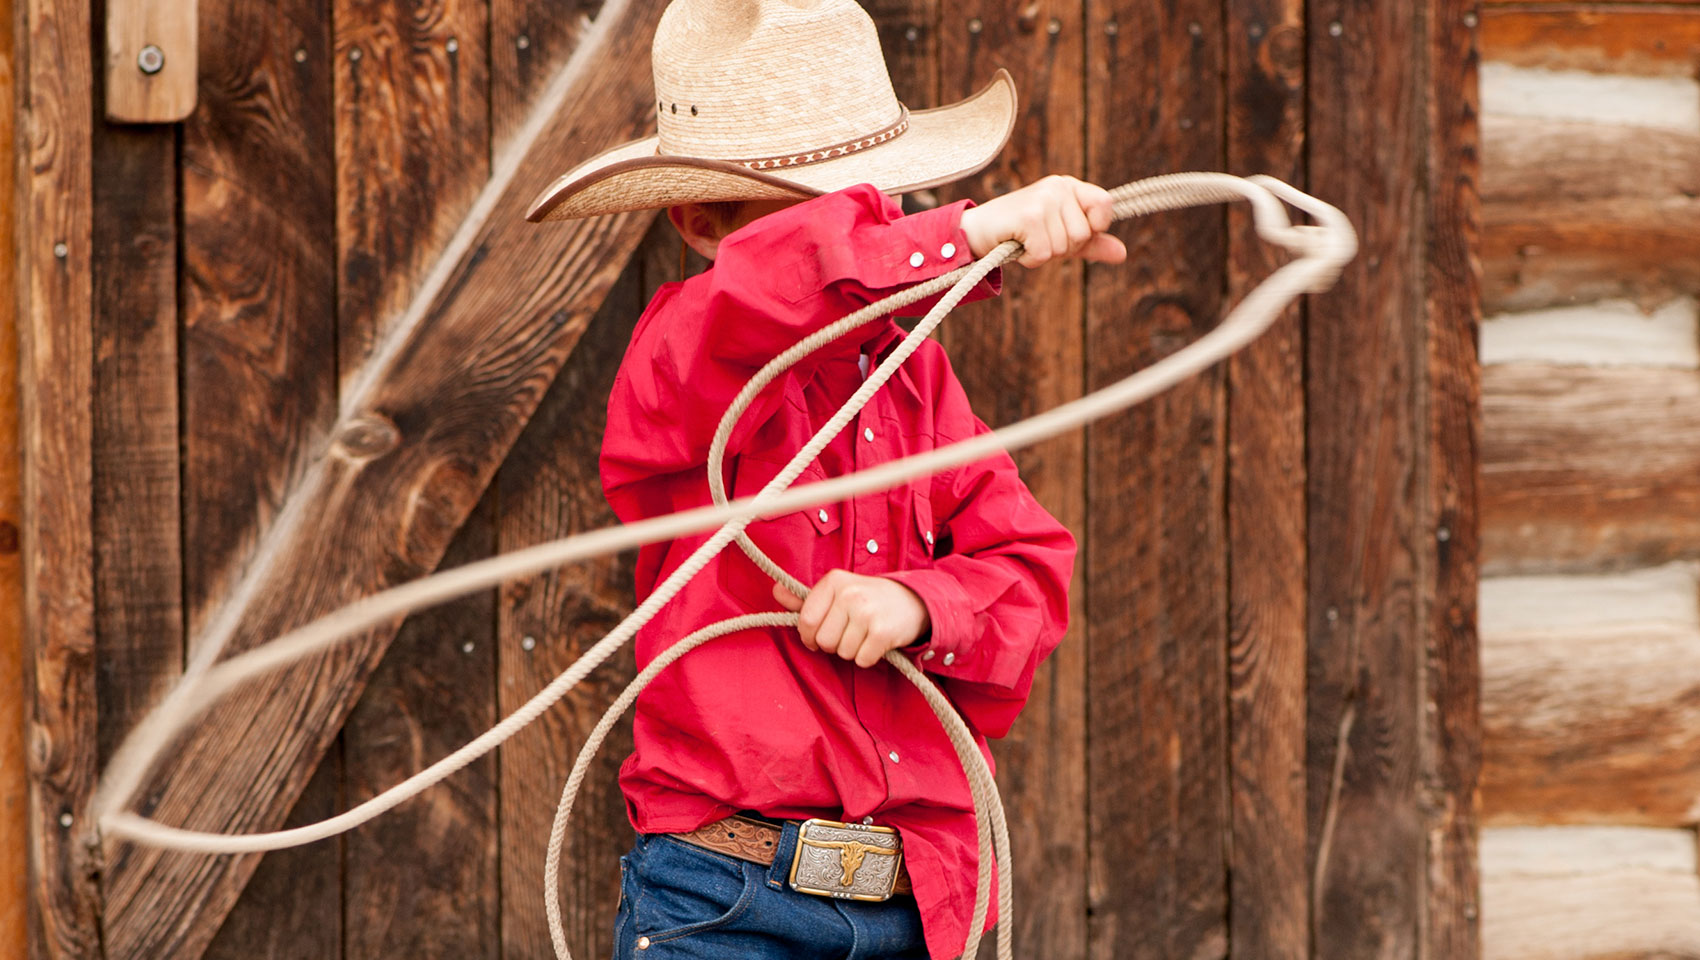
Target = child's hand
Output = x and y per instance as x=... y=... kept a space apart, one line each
x=1053 y=218
x=859 y=618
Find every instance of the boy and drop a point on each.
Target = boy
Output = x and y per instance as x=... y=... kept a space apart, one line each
x=779 y=143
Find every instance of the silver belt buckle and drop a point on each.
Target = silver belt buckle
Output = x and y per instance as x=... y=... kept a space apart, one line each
x=848 y=861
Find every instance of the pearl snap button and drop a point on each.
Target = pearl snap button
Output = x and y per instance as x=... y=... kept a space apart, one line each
x=873 y=547
x=929 y=534
x=916 y=259
x=893 y=756
x=928 y=655
x=947 y=251
x=949 y=659
x=868 y=434
x=823 y=516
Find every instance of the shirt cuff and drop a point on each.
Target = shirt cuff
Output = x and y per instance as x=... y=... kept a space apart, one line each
x=919 y=247
x=952 y=619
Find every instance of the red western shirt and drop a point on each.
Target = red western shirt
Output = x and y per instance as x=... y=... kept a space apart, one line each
x=756 y=720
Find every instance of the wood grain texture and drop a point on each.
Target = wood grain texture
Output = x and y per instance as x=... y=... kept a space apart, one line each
x=258 y=383
x=1268 y=883
x=1578 y=893
x=139 y=564
x=133 y=95
x=1586 y=468
x=422 y=880
x=412 y=152
x=1448 y=529
x=430 y=416
x=1640 y=39
x=14 y=702
x=529 y=40
x=550 y=487
x=1156 y=557
x=55 y=326
x=1592 y=725
x=1016 y=356
x=1366 y=460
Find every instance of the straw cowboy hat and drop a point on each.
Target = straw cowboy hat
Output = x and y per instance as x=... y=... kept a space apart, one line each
x=763 y=99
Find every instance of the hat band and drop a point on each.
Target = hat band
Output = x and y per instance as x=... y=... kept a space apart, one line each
x=836 y=150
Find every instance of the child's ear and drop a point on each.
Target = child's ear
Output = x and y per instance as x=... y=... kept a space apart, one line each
x=698 y=229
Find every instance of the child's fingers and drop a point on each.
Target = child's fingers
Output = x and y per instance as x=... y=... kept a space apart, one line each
x=786 y=598
x=831 y=630
x=874 y=646
x=1096 y=202
x=815 y=608
x=1079 y=230
x=1105 y=248
x=851 y=641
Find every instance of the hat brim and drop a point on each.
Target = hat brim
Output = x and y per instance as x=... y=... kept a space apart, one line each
x=942 y=144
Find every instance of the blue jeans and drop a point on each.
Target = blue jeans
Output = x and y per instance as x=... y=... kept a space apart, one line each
x=694 y=903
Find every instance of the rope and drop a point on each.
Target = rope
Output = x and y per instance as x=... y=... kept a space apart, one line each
x=1322 y=250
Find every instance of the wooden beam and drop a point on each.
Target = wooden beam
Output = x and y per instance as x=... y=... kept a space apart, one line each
x=1591 y=698
x=1016 y=356
x=54 y=305
x=1156 y=554
x=1268 y=883
x=1585 y=468
x=423 y=425
x=1589 y=893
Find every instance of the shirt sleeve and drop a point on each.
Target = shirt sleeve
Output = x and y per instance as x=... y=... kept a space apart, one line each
x=774 y=282
x=998 y=601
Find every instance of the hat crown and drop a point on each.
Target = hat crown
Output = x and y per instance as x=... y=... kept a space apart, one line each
x=747 y=79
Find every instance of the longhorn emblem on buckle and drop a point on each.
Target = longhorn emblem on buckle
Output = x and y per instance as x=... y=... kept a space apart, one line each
x=845 y=879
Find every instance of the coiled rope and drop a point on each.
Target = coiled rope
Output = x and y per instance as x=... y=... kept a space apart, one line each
x=1322 y=250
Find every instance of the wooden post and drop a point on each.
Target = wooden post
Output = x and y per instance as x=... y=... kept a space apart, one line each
x=151 y=60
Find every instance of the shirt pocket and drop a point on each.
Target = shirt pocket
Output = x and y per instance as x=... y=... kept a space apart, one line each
x=788 y=539
x=925 y=538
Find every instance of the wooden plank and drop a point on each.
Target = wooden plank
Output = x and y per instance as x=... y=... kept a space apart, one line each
x=258 y=391
x=1580 y=893
x=1448 y=527
x=15 y=817
x=1641 y=39
x=1560 y=251
x=150 y=60
x=1585 y=468
x=1017 y=356
x=550 y=487
x=138 y=572
x=54 y=305
x=1268 y=883
x=1156 y=571
x=1366 y=453
x=424 y=425
x=422 y=880
x=412 y=152
x=1591 y=698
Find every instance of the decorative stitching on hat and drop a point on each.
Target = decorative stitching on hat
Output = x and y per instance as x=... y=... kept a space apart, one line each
x=836 y=150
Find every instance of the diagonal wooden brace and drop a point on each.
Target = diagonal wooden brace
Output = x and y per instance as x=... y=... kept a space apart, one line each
x=423 y=427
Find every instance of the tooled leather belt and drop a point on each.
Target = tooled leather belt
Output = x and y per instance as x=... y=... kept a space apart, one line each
x=853 y=874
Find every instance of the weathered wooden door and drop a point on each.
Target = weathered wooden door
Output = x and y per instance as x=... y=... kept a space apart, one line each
x=299 y=347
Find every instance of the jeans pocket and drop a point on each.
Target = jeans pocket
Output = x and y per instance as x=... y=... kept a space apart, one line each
x=682 y=890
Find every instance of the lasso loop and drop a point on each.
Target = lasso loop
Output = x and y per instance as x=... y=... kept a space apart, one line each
x=1322 y=250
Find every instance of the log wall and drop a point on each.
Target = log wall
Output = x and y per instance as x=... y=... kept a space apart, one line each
x=313 y=300
x=1590 y=619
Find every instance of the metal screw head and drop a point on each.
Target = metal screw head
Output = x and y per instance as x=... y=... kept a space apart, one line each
x=453 y=45
x=527 y=643
x=466 y=647
x=60 y=250
x=975 y=26
x=524 y=42
x=151 y=60
x=65 y=820
x=1336 y=28
x=301 y=55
